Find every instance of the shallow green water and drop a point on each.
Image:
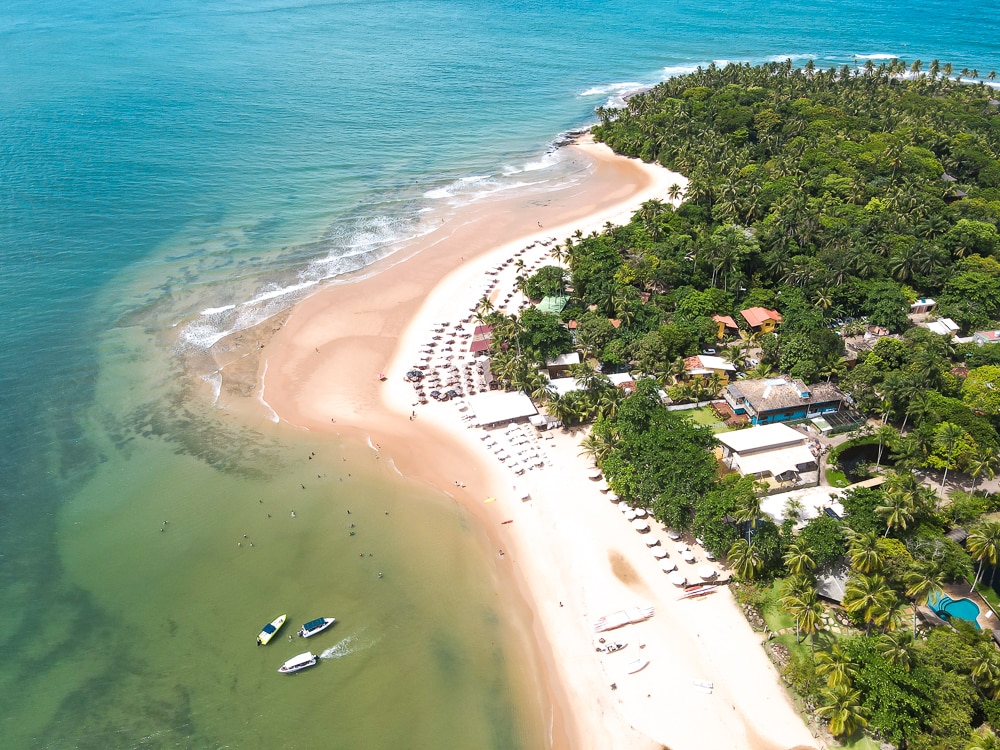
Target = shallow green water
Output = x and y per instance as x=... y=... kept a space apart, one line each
x=148 y=636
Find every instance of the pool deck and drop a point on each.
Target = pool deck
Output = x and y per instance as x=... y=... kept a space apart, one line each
x=986 y=620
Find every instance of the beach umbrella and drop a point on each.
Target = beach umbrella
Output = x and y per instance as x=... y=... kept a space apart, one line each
x=640 y=525
x=682 y=548
x=593 y=473
x=652 y=541
x=674 y=535
x=707 y=572
x=603 y=486
x=640 y=512
x=630 y=515
x=668 y=566
x=659 y=553
x=613 y=497
x=678 y=579
x=688 y=556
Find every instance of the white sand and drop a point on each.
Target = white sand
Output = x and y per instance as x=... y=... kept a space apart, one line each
x=574 y=555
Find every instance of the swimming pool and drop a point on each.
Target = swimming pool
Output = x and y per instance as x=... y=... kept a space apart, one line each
x=963 y=609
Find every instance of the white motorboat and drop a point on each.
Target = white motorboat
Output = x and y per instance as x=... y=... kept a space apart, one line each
x=318 y=625
x=298 y=663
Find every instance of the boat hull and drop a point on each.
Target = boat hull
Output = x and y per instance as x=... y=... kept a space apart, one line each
x=270 y=630
x=298 y=663
x=314 y=627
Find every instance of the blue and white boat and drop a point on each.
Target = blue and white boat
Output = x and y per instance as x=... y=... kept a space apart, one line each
x=318 y=625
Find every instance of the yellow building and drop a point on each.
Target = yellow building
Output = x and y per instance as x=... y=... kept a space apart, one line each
x=760 y=319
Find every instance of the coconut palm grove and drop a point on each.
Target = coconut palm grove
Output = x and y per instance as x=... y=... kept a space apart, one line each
x=839 y=199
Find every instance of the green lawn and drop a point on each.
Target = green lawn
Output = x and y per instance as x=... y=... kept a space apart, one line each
x=705 y=416
x=837 y=478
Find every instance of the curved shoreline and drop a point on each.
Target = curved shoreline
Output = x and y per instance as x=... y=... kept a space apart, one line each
x=322 y=368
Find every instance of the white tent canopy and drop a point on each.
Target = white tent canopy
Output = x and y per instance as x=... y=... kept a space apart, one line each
x=499 y=406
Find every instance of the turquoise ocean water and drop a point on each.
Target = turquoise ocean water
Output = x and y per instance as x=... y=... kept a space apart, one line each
x=174 y=170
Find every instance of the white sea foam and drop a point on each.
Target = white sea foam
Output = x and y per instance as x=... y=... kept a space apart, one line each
x=215 y=310
x=548 y=159
x=352 y=644
x=876 y=56
x=611 y=88
x=260 y=397
x=215 y=380
x=673 y=71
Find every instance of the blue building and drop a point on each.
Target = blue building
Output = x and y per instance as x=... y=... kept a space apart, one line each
x=782 y=399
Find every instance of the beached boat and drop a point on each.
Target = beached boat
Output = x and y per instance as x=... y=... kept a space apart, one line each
x=692 y=592
x=268 y=631
x=298 y=663
x=318 y=625
x=610 y=648
x=636 y=665
x=624 y=617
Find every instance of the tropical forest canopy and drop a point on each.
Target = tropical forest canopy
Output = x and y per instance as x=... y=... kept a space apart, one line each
x=837 y=197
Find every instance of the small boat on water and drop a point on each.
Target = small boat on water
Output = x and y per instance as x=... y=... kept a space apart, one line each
x=636 y=665
x=298 y=663
x=267 y=633
x=318 y=625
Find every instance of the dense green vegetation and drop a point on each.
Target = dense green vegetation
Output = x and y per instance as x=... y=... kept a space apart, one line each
x=837 y=198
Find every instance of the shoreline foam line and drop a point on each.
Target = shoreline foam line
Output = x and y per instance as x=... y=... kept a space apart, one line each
x=566 y=557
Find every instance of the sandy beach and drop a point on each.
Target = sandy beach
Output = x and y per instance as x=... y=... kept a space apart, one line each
x=568 y=549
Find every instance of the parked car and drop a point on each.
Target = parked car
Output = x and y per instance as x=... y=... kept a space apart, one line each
x=753 y=361
x=708 y=351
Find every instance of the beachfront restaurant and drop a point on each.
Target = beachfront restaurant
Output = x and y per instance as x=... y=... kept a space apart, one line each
x=775 y=454
x=500 y=407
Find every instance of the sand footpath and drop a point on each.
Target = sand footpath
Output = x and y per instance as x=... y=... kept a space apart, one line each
x=568 y=549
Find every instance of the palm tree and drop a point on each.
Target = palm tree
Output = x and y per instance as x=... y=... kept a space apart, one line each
x=986 y=673
x=922 y=582
x=865 y=551
x=744 y=559
x=798 y=558
x=748 y=511
x=842 y=709
x=984 y=462
x=484 y=307
x=886 y=436
x=835 y=666
x=871 y=597
x=897 y=510
x=984 y=738
x=947 y=436
x=595 y=446
x=734 y=355
x=895 y=647
x=984 y=547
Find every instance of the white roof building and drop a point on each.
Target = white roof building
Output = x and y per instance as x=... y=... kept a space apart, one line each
x=944 y=327
x=494 y=407
x=771 y=450
x=564 y=360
